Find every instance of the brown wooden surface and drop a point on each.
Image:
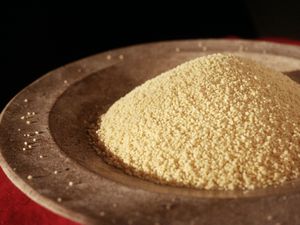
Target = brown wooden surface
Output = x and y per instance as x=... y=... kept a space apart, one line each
x=67 y=101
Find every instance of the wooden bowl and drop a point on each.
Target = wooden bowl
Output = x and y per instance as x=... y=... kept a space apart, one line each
x=47 y=153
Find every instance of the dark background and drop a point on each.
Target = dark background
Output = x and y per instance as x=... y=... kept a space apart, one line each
x=36 y=39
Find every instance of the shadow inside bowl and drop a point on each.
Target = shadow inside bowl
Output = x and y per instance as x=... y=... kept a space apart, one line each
x=294 y=75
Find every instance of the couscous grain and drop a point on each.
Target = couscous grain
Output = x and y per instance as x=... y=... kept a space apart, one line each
x=216 y=122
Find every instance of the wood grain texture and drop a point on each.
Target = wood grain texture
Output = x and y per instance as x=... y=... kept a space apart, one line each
x=71 y=179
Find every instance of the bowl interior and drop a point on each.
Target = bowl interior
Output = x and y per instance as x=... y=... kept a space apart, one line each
x=79 y=106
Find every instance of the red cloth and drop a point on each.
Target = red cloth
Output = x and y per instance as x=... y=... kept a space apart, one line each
x=18 y=209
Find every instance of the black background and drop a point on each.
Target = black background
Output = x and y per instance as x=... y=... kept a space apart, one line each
x=37 y=39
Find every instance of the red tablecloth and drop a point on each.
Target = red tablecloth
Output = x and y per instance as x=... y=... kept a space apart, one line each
x=18 y=209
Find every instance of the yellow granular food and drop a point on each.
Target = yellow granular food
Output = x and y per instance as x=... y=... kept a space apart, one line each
x=217 y=122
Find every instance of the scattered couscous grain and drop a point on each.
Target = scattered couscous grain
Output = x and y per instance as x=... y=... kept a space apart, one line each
x=217 y=122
